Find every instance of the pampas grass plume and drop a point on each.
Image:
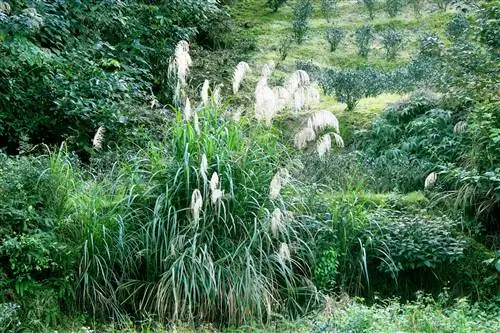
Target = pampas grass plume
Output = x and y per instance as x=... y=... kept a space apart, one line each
x=239 y=74
x=324 y=145
x=430 y=180
x=98 y=138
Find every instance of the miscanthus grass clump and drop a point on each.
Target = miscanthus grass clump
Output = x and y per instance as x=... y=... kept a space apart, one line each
x=203 y=225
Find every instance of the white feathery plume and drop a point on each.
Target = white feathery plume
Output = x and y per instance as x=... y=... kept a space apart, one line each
x=312 y=96
x=306 y=135
x=299 y=99
x=214 y=182
x=187 y=110
x=298 y=79
x=182 y=61
x=284 y=252
x=282 y=98
x=196 y=122
x=275 y=186
x=196 y=205
x=277 y=222
x=265 y=104
x=204 y=167
x=204 y=92
x=430 y=180
x=323 y=119
x=216 y=195
x=98 y=138
x=338 y=140
x=460 y=127
x=324 y=145
x=5 y=7
x=239 y=74
x=217 y=94
x=267 y=70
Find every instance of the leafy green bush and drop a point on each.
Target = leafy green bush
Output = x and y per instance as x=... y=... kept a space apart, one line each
x=457 y=27
x=334 y=36
x=392 y=41
x=430 y=46
x=301 y=14
x=364 y=40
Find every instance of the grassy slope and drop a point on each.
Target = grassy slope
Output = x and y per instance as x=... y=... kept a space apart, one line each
x=269 y=28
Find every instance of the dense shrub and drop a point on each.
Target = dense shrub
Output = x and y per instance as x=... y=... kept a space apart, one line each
x=301 y=14
x=457 y=27
x=392 y=41
x=364 y=40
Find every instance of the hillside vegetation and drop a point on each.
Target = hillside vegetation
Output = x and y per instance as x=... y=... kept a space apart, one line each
x=249 y=166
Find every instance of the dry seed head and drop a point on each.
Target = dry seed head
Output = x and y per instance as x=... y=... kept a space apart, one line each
x=298 y=79
x=182 y=61
x=187 y=110
x=196 y=205
x=338 y=140
x=217 y=94
x=5 y=8
x=306 y=135
x=324 y=145
x=460 y=127
x=204 y=92
x=239 y=74
x=214 y=182
x=275 y=186
x=430 y=180
x=323 y=119
x=216 y=195
x=277 y=222
x=284 y=252
x=98 y=138
x=204 y=167
x=196 y=122
x=265 y=104
x=282 y=97
x=267 y=69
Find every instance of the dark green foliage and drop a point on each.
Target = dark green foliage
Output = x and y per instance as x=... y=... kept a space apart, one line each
x=73 y=66
x=328 y=8
x=301 y=14
x=431 y=46
x=370 y=6
x=334 y=36
x=364 y=40
x=38 y=264
x=457 y=27
x=393 y=7
x=275 y=4
x=392 y=41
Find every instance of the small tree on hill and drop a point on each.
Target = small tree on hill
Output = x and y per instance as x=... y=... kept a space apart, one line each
x=364 y=39
x=393 y=7
x=392 y=41
x=275 y=4
x=370 y=6
x=301 y=14
x=334 y=36
x=416 y=5
x=328 y=8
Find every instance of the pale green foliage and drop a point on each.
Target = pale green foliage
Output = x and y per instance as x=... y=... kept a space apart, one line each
x=370 y=7
x=393 y=7
x=328 y=8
